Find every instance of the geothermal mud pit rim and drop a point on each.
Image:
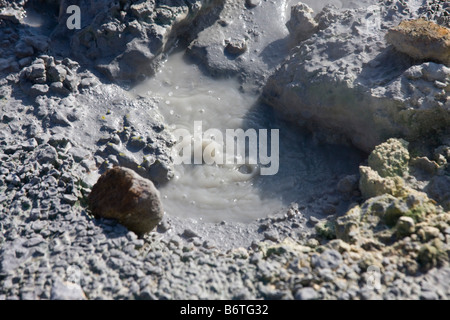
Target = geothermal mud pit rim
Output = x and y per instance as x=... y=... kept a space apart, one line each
x=40 y=245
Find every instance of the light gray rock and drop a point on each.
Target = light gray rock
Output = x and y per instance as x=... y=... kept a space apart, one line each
x=405 y=226
x=58 y=88
x=13 y=255
x=306 y=294
x=302 y=24
x=71 y=82
x=29 y=144
x=79 y=154
x=70 y=199
x=56 y=73
x=71 y=64
x=38 y=90
x=66 y=291
x=88 y=83
x=36 y=73
x=57 y=118
x=272 y=235
x=331 y=259
x=428 y=295
x=47 y=154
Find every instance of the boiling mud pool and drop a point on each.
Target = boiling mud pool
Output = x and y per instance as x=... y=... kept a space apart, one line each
x=237 y=193
x=214 y=193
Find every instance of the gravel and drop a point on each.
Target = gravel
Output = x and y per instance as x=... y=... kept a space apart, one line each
x=328 y=259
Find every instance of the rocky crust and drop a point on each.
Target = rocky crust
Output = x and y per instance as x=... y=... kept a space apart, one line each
x=349 y=84
x=125 y=40
x=244 y=40
x=400 y=214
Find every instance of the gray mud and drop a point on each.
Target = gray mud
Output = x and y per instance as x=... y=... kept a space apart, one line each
x=66 y=115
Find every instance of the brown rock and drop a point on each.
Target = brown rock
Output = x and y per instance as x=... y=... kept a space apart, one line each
x=122 y=194
x=236 y=47
x=421 y=39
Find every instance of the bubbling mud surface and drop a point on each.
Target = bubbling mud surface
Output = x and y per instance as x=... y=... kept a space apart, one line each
x=213 y=193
